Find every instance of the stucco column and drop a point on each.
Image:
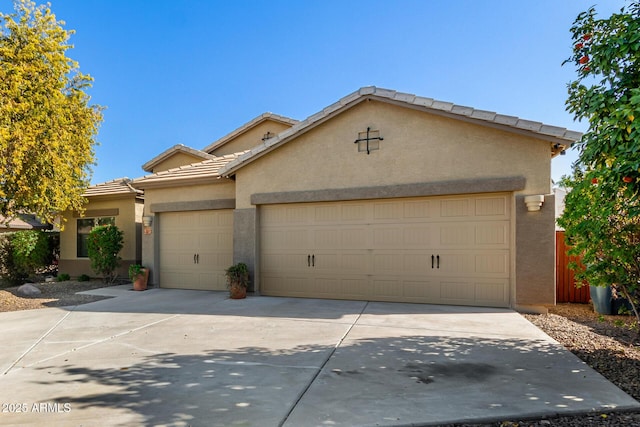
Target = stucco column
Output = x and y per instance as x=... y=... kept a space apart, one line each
x=149 y=245
x=535 y=253
x=245 y=239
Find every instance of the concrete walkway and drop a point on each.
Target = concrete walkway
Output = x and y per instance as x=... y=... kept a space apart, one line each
x=172 y=357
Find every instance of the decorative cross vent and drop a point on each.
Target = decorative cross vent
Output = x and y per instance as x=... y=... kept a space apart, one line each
x=268 y=135
x=369 y=140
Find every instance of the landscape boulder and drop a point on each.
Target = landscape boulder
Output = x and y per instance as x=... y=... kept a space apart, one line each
x=28 y=290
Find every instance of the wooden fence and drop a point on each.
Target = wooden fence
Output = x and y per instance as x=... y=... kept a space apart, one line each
x=566 y=290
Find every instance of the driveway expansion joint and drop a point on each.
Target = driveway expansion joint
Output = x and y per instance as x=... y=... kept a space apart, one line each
x=38 y=341
x=324 y=363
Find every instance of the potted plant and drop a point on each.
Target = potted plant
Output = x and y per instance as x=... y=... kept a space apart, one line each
x=237 y=280
x=139 y=276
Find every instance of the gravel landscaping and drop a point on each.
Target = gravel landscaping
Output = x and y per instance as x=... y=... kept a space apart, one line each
x=54 y=294
x=603 y=342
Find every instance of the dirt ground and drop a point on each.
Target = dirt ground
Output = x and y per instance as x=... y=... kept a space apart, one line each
x=54 y=294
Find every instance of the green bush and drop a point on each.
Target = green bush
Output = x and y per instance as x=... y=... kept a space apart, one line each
x=63 y=277
x=104 y=245
x=83 y=278
x=24 y=252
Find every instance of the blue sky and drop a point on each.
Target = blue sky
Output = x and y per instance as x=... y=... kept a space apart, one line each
x=190 y=72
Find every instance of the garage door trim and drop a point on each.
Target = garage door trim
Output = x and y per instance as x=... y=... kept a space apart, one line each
x=441 y=188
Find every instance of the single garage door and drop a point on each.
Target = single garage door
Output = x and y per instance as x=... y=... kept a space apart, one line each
x=439 y=250
x=195 y=249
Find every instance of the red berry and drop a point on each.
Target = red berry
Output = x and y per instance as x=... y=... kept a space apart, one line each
x=586 y=37
x=587 y=68
x=627 y=179
x=594 y=180
x=579 y=46
x=584 y=59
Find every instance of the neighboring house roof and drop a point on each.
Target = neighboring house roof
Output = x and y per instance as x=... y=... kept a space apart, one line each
x=561 y=138
x=116 y=187
x=178 y=148
x=244 y=128
x=205 y=171
x=23 y=222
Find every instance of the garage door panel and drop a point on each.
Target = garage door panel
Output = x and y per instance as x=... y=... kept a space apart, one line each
x=457 y=235
x=421 y=290
x=417 y=236
x=416 y=263
x=291 y=285
x=355 y=238
x=457 y=290
x=401 y=236
x=179 y=278
x=387 y=289
x=216 y=261
x=418 y=210
x=386 y=248
x=327 y=238
x=285 y=261
x=492 y=291
x=492 y=235
x=339 y=288
x=454 y=208
x=354 y=262
x=494 y=264
x=388 y=210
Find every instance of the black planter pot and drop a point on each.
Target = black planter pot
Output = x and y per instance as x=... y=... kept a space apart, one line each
x=601 y=297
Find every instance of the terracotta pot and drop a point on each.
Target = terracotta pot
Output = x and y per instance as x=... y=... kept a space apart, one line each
x=237 y=291
x=140 y=284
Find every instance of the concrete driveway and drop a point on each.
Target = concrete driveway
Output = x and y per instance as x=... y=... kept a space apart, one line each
x=172 y=357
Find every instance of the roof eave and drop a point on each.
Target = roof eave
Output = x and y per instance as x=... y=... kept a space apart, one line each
x=179 y=182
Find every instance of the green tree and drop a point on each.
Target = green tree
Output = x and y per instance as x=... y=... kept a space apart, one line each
x=104 y=245
x=47 y=127
x=602 y=208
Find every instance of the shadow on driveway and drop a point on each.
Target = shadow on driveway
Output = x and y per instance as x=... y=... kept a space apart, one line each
x=369 y=381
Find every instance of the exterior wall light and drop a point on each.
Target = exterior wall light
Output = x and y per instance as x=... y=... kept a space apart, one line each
x=147 y=221
x=534 y=203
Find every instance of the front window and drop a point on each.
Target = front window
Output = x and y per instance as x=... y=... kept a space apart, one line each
x=85 y=225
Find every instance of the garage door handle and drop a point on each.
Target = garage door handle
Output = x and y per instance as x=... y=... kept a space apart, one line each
x=438 y=259
x=194 y=258
x=308 y=260
x=197 y=258
x=432 y=259
x=313 y=260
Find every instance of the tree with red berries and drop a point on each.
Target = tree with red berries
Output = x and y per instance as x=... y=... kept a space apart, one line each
x=602 y=207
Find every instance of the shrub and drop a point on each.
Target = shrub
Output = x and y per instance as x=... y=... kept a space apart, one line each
x=83 y=278
x=104 y=245
x=24 y=252
x=63 y=277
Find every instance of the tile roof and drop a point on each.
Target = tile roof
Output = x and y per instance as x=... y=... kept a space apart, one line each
x=23 y=222
x=178 y=148
x=205 y=171
x=245 y=127
x=120 y=186
x=558 y=135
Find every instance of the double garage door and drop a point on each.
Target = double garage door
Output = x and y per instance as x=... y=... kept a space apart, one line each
x=196 y=248
x=441 y=250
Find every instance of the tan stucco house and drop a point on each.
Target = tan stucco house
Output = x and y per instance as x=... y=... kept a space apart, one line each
x=382 y=196
x=114 y=202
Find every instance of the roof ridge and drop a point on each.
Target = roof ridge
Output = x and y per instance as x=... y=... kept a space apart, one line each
x=148 y=166
x=445 y=108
